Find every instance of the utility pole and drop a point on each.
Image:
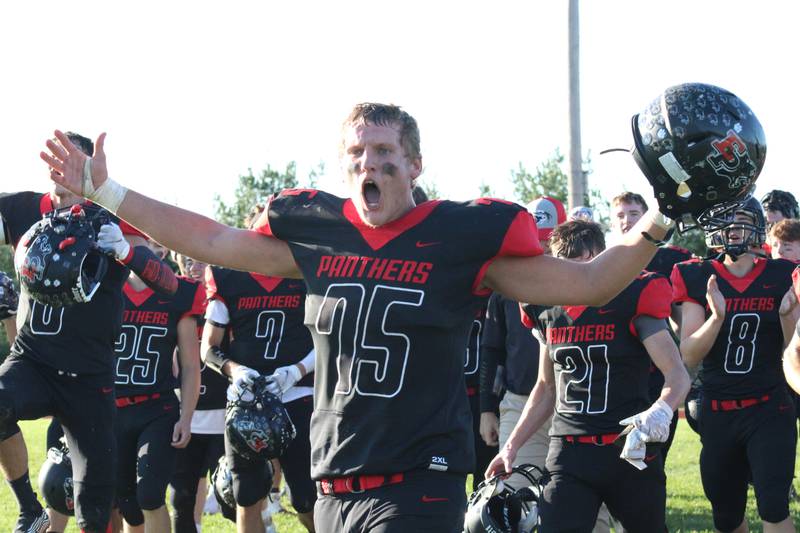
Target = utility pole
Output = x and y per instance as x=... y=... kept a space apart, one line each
x=577 y=178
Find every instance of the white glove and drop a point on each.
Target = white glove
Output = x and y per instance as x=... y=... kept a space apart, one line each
x=653 y=423
x=241 y=379
x=283 y=379
x=635 y=449
x=111 y=240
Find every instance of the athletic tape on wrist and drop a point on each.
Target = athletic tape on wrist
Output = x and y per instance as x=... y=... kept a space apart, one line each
x=87 y=188
x=661 y=220
x=110 y=195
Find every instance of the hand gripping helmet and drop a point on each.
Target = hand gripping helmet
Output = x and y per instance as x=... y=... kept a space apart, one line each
x=55 y=481
x=222 y=481
x=725 y=234
x=58 y=260
x=495 y=507
x=698 y=145
x=257 y=424
x=9 y=300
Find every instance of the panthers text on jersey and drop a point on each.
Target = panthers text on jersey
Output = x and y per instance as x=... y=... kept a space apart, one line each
x=76 y=338
x=745 y=359
x=390 y=309
x=149 y=335
x=601 y=367
x=266 y=319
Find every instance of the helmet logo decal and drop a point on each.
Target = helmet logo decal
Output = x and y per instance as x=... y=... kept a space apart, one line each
x=731 y=160
x=32 y=269
x=541 y=216
x=257 y=440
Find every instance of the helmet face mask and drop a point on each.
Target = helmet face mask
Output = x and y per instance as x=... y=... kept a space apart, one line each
x=699 y=146
x=55 y=481
x=58 y=260
x=734 y=228
x=495 y=507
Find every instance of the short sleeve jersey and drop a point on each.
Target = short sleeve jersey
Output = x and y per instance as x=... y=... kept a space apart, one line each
x=601 y=366
x=266 y=319
x=390 y=309
x=77 y=338
x=745 y=359
x=149 y=336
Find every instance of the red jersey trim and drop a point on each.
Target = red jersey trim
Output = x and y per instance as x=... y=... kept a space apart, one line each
x=198 y=304
x=521 y=240
x=740 y=284
x=574 y=311
x=527 y=321
x=655 y=300
x=45 y=204
x=211 y=286
x=268 y=283
x=137 y=298
x=378 y=237
x=679 y=291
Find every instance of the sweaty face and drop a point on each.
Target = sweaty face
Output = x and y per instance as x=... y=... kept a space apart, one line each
x=626 y=215
x=379 y=175
x=785 y=249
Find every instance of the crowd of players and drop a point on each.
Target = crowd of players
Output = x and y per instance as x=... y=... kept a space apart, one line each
x=395 y=287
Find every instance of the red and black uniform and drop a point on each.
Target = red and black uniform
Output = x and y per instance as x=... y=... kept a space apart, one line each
x=61 y=364
x=666 y=257
x=390 y=309
x=147 y=408
x=601 y=375
x=267 y=332
x=472 y=373
x=748 y=419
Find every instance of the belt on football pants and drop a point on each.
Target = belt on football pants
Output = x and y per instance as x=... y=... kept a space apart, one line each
x=356 y=484
x=599 y=440
x=125 y=401
x=733 y=405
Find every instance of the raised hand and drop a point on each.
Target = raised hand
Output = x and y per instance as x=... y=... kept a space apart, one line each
x=75 y=171
x=715 y=299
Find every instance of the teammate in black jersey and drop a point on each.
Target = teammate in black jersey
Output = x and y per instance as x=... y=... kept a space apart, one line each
x=593 y=373
x=194 y=462
x=392 y=293
x=151 y=422
x=61 y=362
x=735 y=324
x=9 y=300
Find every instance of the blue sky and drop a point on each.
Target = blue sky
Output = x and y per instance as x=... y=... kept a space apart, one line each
x=194 y=93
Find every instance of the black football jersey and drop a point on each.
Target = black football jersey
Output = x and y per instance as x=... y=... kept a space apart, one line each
x=390 y=309
x=745 y=359
x=266 y=325
x=213 y=385
x=601 y=367
x=666 y=257
x=472 y=359
x=149 y=336
x=77 y=338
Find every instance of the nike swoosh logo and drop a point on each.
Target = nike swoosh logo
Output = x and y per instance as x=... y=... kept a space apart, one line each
x=769 y=286
x=648 y=458
x=421 y=244
x=604 y=311
x=106 y=390
x=428 y=499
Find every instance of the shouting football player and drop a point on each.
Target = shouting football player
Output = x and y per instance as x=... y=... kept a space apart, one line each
x=392 y=292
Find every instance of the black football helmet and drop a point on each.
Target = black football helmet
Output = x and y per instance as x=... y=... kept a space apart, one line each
x=495 y=507
x=691 y=406
x=257 y=424
x=9 y=299
x=55 y=481
x=699 y=146
x=782 y=201
x=724 y=234
x=58 y=261
x=222 y=481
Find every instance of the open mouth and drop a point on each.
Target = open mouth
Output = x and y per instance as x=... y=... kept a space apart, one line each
x=371 y=194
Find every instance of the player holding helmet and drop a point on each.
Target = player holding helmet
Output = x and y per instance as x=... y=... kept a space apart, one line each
x=61 y=361
x=393 y=290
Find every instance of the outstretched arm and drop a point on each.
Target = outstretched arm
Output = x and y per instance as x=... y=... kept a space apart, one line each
x=178 y=229
x=542 y=279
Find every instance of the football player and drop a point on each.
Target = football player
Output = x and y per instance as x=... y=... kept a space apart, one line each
x=593 y=375
x=61 y=361
x=784 y=240
x=779 y=205
x=264 y=316
x=393 y=291
x=734 y=323
x=194 y=462
x=152 y=423
x=9 y=300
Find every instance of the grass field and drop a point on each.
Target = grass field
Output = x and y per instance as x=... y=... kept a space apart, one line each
x=687 y=508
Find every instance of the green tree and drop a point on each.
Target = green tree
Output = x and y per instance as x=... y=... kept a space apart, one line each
x=485 y=190
x=253 y=190
x=430 y=189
